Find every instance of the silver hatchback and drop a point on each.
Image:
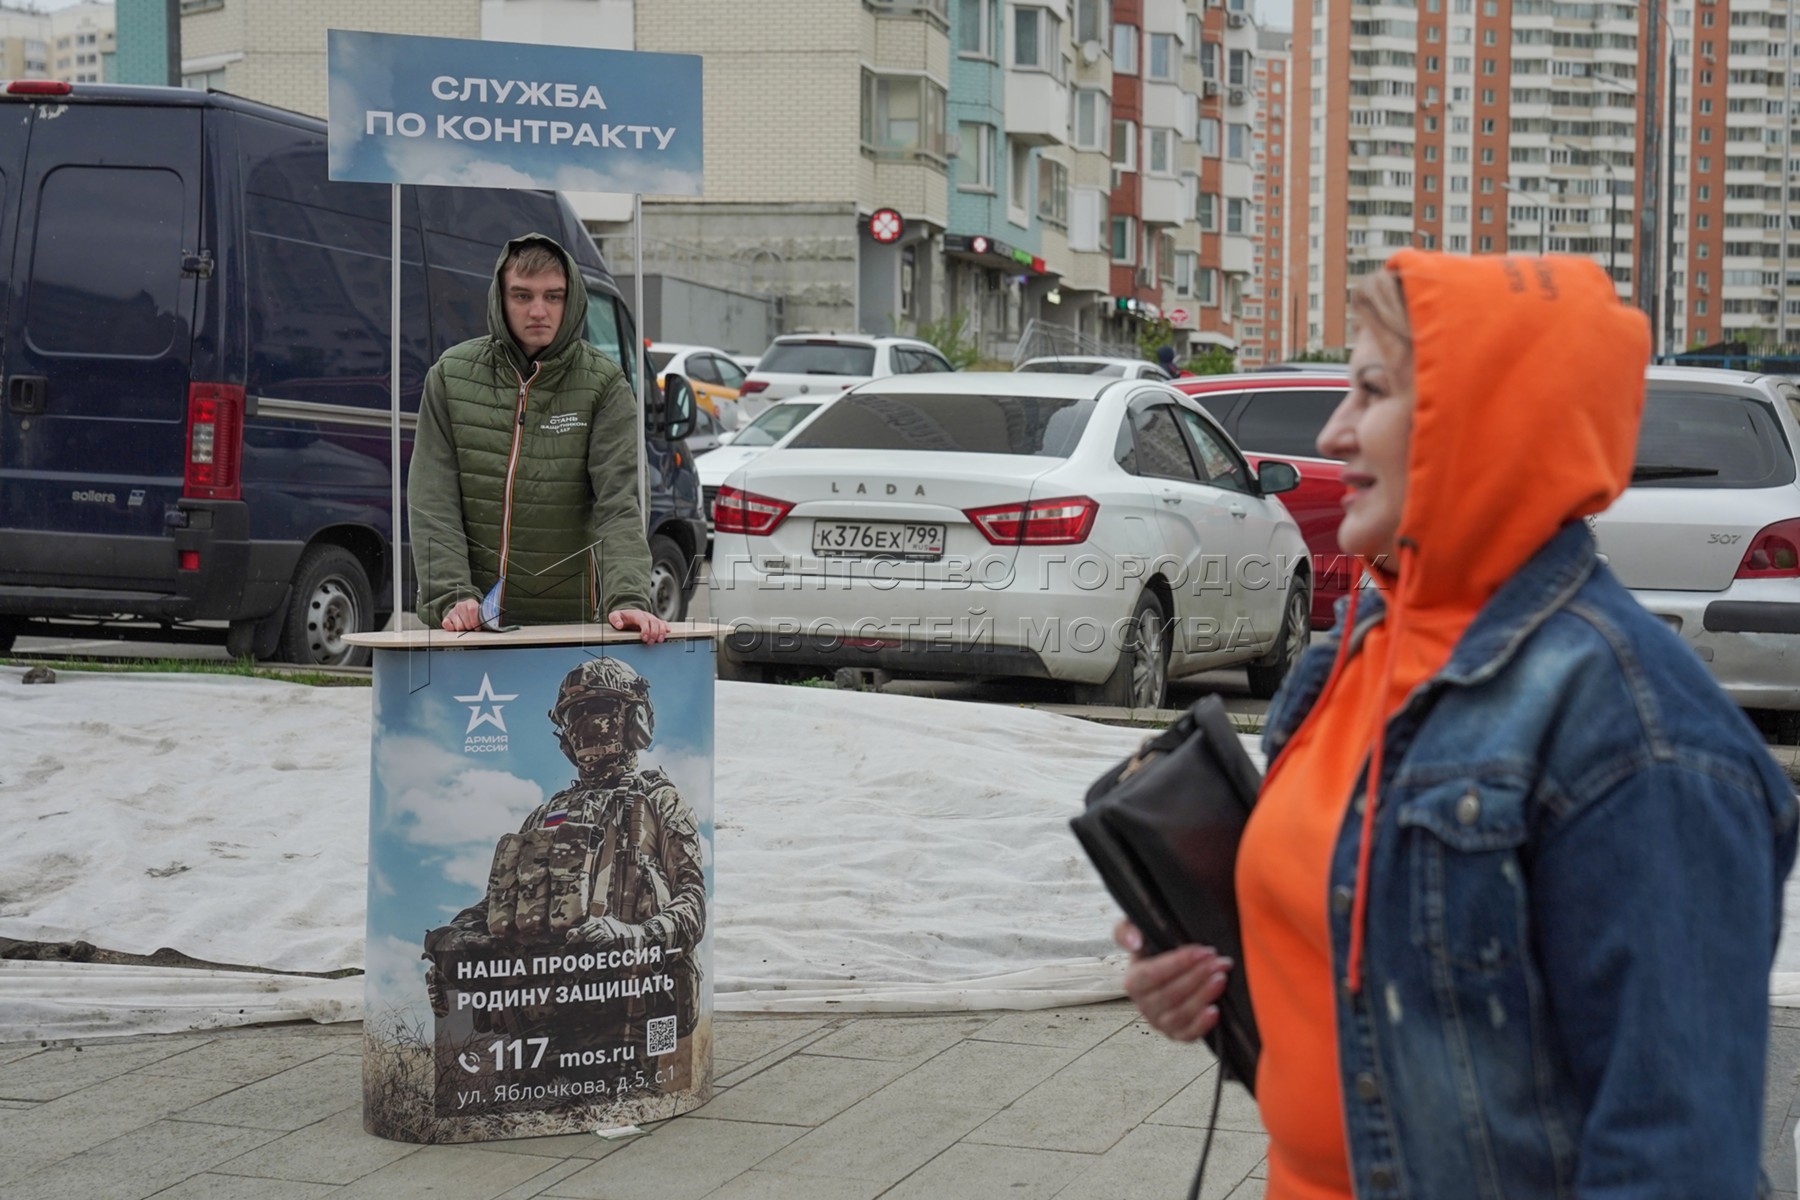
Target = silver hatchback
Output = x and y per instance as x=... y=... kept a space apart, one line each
x=1708 y=535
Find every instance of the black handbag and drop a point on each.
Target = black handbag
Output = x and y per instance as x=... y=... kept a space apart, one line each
x=1162 y=828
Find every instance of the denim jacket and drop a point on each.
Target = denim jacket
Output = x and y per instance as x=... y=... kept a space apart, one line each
x=1574 y=897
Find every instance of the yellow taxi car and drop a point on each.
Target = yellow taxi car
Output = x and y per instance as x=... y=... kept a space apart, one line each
x=715 y=376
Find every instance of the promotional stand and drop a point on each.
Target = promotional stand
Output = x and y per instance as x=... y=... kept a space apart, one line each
x=539 y=954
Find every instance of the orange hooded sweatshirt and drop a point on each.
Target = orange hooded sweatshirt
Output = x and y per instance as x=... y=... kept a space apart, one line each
x=1528 y=382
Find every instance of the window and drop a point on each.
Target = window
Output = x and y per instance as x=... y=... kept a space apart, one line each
x=975 y=161
x=1207 y=212
x=1087 y=219
x=1206 y=286
x=106 y=274
x=1161 y=450
x=1018 y=192
x=1124 y=240
x=1237 y=142
x=1224 y=469
x=1125 y=49
x=1053 y=192
x=1090 y=20
x=1164 y=54
x=1093 y=121
x=1209 y=60
x=1124 y=145
x=1184 y=272
x=1239 y=68
x=1234 y=216
x=966 y=424
x=1159 y=151
x=1037 y=40
x=1286 y=422
x=975 y=38
x=902 y=114
x=1208 y=137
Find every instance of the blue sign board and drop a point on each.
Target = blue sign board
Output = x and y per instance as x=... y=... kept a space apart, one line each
x=464 y=113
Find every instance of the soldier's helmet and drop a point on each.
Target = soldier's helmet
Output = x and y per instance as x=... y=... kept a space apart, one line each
x=606 y=681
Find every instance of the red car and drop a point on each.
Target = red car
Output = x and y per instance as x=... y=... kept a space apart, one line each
x=1278 y=415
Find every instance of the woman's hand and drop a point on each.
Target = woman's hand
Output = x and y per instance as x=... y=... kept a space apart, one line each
x=1178 y=992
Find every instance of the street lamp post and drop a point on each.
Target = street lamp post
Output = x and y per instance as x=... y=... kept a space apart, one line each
x=1543 y=215
x=1612 y=188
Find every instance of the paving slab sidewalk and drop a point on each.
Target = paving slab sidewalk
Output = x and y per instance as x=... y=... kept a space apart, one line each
x=1074 y=1103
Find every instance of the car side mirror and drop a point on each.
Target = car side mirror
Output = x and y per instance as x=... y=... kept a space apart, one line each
x=1273 y=478
x=677 y=407
x=725 y=436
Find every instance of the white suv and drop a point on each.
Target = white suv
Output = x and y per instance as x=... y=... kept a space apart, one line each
x=827 y=364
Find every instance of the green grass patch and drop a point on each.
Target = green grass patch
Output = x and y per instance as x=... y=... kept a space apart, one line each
x=249 y=668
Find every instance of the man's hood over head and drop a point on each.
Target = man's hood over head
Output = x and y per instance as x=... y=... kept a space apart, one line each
x=574 y=319
x=1529 y=379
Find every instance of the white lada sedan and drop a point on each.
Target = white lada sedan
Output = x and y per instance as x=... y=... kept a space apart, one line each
x=1101 y=532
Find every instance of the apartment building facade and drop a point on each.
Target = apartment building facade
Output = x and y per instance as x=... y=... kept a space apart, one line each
x=1079 y=163
x=1495 y=126
x=71 y=44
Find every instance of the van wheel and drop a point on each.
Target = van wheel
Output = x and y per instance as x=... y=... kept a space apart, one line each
x=331 y=598
x=1141 y=680
x=1267 y=672
x=668 y=571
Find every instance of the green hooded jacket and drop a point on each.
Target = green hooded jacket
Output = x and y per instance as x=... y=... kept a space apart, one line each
x=528 y=472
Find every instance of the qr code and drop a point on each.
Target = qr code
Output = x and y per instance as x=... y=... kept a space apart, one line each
x=659 y=1036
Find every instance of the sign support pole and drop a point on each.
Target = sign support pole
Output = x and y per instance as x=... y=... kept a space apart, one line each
x=399 y=514
x=637 y=348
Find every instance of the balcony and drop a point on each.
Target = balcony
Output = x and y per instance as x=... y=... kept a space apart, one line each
x=1237 y=254
x=1163 y=201
x=1037 y=108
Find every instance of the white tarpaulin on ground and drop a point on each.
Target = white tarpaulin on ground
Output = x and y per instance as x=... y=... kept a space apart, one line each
x=873 y=852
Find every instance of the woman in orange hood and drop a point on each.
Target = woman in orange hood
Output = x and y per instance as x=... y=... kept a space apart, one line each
x=1511 y=892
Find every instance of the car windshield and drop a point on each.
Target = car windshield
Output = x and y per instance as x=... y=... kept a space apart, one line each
x=1710 y=440
x=1033 y=425
x=659 y=360
x=818 y=358
x=773 y=425
x=1064 y=366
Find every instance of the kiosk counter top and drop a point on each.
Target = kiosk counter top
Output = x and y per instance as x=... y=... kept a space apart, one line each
x=596 y=634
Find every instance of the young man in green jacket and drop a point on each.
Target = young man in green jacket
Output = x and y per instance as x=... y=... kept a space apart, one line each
x=524 y=471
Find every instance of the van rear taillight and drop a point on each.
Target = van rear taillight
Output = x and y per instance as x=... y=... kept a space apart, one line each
x=38 y=87
x=215 y=439
x=1774 y=553
x=752 y=386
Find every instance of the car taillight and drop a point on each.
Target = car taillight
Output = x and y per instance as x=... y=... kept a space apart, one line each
x=752 y=386
x=1774 y=553
x=215 y=438
x=738 y=511
x=38 y=87
x=1058 y=522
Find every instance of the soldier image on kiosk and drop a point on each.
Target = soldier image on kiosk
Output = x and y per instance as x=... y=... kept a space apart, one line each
x=608 y=871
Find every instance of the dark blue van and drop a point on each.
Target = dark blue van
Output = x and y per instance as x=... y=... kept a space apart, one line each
x=194 y=354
